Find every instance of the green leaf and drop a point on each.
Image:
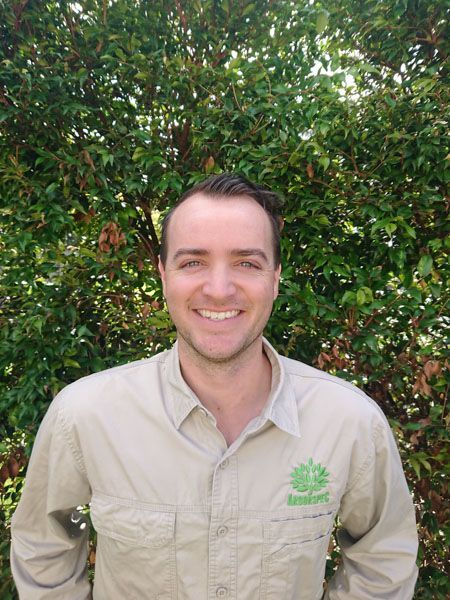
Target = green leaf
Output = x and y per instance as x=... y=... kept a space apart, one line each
x=371 y=341
x=84 y=331
x=390 y=228
x=322 y=21
x=425 y=265
x=349 y=298
x=364 y=296
x=137 y=154
x=69 y=362
x=415 y=464
x=324 y=162
x=248 y=10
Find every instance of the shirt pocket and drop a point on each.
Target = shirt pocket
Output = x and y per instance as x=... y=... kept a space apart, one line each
x=294 y=557
x=135 y=556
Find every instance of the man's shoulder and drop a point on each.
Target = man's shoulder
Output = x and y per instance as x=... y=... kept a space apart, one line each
x=295 y=368
x=108 y=383
x=336 y=394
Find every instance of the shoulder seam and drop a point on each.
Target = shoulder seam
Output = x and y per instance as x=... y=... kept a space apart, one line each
x=124 y=367
x=352 y=388
x=75 y=451
x=369 y=459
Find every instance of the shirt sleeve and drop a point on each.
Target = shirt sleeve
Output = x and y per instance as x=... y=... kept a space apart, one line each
x=378 y=539
x=49 y=536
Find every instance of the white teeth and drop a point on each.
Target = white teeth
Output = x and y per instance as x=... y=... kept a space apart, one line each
x=218 y=316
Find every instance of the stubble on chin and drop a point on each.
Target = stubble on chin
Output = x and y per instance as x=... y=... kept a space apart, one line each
x=210 y=360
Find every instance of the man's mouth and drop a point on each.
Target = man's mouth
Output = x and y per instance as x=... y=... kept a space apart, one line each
x=218 y=316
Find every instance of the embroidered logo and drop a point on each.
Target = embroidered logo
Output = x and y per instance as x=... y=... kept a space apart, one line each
x=309 y=477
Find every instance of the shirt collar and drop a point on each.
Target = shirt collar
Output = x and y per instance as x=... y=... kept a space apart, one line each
x=281 y=407
x=183 y=400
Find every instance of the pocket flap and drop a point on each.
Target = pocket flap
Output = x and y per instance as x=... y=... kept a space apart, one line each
x=121 y=520
x=305 y=529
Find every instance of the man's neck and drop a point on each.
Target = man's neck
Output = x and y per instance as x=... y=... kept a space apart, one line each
x=234 y=392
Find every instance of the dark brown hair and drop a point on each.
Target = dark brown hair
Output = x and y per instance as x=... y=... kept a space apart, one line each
x=231 y=185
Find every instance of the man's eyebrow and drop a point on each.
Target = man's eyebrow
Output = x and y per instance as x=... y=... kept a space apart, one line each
x=250 y=252
x=241 y=252
x=189 y=252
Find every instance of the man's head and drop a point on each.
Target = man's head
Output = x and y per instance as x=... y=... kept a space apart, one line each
x=221 y=269
x=231 y=185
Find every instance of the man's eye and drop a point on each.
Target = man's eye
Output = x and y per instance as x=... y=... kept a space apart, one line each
x=190 y=263
x=248 y=265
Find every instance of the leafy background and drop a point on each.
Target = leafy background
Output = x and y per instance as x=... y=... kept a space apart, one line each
x=108 y=110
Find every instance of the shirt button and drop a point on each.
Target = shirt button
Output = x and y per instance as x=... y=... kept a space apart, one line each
x=224 y=464
x=221 y=592
x=222 y=530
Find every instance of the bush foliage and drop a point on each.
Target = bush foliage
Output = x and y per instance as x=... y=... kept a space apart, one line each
x=108 y=110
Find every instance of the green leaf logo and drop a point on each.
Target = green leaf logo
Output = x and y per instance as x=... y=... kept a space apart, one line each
x=309 y=477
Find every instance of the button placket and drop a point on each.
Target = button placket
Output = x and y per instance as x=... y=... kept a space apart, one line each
x=222 y=535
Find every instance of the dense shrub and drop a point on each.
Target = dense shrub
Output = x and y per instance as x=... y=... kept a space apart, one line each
x=109 y=110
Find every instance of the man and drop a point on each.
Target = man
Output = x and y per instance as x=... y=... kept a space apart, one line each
x=216 y=469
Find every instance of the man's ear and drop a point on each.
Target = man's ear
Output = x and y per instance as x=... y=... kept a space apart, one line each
x=162 y=272
x=276 y=281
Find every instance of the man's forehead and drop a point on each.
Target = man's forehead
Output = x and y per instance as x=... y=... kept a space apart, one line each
x=201 y=205
x=202 y=199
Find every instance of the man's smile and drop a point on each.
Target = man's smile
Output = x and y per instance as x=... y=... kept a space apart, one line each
x=218 y=315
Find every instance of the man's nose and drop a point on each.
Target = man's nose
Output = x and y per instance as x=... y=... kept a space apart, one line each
x=219 y=283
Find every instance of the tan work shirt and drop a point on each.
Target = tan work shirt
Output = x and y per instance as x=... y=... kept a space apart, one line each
x=179 y=515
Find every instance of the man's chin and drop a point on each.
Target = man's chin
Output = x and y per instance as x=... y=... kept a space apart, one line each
x=217 y=354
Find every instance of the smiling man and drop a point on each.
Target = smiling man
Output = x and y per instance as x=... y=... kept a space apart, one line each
x=220 y=271
x=216 y=469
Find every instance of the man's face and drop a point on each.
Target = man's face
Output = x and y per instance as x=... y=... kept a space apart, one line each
x=219 y=279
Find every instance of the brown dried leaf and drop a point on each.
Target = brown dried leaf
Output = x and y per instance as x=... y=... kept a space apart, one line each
x=432 y=367
x=13 y=467
x=340 y=363
x=4 y=473
x=421 y=385
x=91 y=557
x=114 y=238
x=426 y=388
x=88 y=159
x=435 y=499
x=322 y=359
x=414 y=438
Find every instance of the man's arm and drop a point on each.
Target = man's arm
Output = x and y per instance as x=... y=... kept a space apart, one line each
x=49 y=539
x=378 y=539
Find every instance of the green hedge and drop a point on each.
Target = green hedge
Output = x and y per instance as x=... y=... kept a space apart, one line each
x=109 y=110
